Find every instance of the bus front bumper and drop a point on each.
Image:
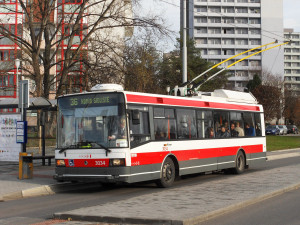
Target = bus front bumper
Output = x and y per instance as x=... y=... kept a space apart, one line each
x=106 y=175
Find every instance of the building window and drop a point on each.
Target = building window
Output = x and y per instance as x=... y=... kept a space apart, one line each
x=228 y=41
x=241 y=20
x=228 y=10
x=202 y=30
x=214 y=30
x=214 y=9
x=214 y=41
x=241 y=41
x=241 y=10
x=241 y=31
x=254 y=21
x=214 y=20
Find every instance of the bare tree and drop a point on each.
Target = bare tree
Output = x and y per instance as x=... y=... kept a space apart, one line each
x=67 y=47
x=270 y=95
x=142 y=61
x=61 y=35
x=291 y=109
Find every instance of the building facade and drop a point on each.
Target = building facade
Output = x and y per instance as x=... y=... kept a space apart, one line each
x=224 y=28
x=61 y=20
x=10 y=19
x=292 y=61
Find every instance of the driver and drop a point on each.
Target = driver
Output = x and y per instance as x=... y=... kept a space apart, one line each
x=119 y=133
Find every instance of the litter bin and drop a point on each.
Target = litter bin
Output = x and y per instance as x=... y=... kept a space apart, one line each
x=25 y=166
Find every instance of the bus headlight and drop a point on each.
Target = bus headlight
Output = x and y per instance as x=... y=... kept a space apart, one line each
x=117 y=162
x=60 y=162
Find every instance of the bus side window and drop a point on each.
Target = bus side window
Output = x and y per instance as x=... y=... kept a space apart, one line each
x=205 y=124
x=139 y=133
x=186 y=123
x=221 y=124
x=257 y=124
x=249 y=124
x=164 y=124
x=237 y=119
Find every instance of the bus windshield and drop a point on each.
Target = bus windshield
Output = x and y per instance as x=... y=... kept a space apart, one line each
x=93 y=120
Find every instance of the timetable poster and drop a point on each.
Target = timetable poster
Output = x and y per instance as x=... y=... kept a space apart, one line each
x=9 y=149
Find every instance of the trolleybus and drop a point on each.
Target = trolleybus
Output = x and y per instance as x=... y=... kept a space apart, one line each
x=111 y=135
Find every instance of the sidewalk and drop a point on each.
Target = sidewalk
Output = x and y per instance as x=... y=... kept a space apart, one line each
x=196 y=203
x=187 y=205
x=11 y=187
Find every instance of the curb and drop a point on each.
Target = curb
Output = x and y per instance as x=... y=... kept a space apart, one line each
x=190 y=221
x=46 y=190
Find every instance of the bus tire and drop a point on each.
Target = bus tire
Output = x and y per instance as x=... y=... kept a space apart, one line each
x=240 y=163
x=168 y=174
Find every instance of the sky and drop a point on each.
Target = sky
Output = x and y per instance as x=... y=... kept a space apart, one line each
x=171 y=14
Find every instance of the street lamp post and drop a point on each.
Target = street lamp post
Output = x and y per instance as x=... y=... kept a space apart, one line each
x=17 y=62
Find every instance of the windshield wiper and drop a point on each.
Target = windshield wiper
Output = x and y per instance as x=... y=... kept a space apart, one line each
x=100 y=145
x=67 y=147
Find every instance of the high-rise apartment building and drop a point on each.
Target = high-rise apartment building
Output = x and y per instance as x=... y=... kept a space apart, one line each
x=224 y=28
x=292 y=61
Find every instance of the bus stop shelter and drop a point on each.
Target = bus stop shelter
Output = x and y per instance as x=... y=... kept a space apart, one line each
x=36 y=103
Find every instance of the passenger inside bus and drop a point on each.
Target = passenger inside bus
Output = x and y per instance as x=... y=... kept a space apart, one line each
x=239 y=129
x=209 y=133
x=233 y=132
x=226 y=125
x=257 y=130
x=159 y=135
x=249 y=130
x=223 y=133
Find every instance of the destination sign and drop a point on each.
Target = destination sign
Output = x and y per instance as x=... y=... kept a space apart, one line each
x=90 y=100
x=83 y=101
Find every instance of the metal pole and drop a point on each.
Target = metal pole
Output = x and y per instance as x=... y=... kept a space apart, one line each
x=24 y=119
x=23 y=115
x=17 y=63
x=184 y=48
x=17 y=81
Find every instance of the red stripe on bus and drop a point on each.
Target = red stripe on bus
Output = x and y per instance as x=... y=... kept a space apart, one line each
x=187 y=102
x=87 y=162
x=147 y=158
x=184 y=155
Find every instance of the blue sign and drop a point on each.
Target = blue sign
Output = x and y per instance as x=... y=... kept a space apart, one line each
x=21 y=132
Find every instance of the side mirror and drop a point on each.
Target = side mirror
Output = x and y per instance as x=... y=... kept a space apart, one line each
x=136 y=117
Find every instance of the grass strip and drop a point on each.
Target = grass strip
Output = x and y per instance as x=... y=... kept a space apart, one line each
x=282 y=142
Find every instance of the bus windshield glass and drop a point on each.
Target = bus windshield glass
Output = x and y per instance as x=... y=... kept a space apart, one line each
x=95 y=120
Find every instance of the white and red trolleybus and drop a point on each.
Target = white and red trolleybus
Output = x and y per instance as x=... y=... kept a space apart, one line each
x=111 y=135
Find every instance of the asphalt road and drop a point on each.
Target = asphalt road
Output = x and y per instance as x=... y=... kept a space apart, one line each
x=44 y=207
x=283 y=209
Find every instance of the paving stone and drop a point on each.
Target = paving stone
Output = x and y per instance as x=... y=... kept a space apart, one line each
x=183 y=203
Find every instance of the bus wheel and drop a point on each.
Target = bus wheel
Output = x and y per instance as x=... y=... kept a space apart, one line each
x=167 y=174
x=239 y=163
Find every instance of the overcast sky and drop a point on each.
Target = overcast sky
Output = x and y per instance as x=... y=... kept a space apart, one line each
x=291 y=12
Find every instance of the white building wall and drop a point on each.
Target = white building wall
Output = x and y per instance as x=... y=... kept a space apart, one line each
x=292 y=61
x=272 y=27
x=223 y=28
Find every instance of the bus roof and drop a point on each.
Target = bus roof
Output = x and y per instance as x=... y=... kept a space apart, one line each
x=219 y=99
